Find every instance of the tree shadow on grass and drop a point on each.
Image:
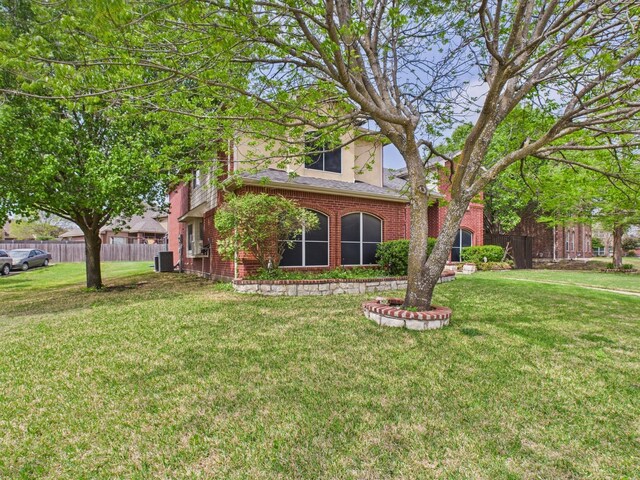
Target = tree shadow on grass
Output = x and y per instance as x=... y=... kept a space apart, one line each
x=117 y=292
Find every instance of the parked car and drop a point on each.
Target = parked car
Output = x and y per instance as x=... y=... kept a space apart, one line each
x=24 y=258
x=6 y=262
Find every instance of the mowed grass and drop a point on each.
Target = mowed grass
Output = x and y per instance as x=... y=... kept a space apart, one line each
x=182 y=378
x=613 y=281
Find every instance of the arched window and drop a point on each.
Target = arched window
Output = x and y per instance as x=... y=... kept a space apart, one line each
x=464 y=238
x=311 y=249
x=361 y=234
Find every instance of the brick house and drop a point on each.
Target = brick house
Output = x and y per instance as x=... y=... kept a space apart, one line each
x=359 y=204
x=569 y=242
x=147 y=228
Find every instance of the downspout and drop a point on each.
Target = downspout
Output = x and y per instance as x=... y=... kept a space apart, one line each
x=235 y=260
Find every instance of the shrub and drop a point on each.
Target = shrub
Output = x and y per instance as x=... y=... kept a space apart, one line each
x=483 y=267
x=258 y=224
x=626 y=266
x=393 y=255
x=596 y=243
x=493 y=253
x=337 y=273
x=630 y=243
x=631 y=253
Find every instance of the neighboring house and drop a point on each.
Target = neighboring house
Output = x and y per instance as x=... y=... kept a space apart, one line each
x=5 y=232
x=145 y=229
x=606 y=237
x=358 y=207
x=554 y=243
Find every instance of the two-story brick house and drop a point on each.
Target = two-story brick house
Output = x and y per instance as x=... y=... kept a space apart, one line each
x=359 y=204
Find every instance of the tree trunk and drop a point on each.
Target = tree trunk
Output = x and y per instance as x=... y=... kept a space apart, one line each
x=418 y=241
x=92 y=245
x=618 y=231
x=437 y=260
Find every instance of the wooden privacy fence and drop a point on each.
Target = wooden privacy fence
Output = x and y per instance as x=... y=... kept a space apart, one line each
x=74 y=251
x=520 y=247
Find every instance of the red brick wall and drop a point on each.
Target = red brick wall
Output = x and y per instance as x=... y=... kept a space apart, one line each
x=472 y=221
x=393 y=215
x=543 y=238
x=179 y=201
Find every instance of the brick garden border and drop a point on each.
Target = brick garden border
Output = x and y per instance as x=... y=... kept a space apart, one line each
x=327 y=286
x=391 y=315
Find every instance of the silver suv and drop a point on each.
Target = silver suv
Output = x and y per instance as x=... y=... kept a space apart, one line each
x=6 y=262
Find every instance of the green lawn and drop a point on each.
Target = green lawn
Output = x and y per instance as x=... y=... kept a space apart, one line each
x=181 y=378
x=613 y=281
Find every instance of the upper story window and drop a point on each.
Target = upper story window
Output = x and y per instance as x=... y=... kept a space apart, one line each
x=196 y=181
x=322 y=158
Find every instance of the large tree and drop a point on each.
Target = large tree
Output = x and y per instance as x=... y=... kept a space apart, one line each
x=598 y=195
x=89 y=159
x=407 y=67
x=87 y=165
x=605 y=190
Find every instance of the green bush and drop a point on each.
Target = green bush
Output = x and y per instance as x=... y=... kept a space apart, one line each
x=631 y=253
x=485 y=267
x=393 y=255
x=625 y=266
x=493 y=253
x=337 y=273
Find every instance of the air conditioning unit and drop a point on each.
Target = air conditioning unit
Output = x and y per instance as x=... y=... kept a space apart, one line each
x=163 y=262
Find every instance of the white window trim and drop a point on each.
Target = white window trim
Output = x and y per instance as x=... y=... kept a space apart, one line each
x=361 y=242
x=197 y=241
x=197 y=178
x=459 y=247
x=304 y=245
x=323 y=169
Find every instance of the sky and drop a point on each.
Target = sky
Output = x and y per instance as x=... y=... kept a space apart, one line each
x=391 y=155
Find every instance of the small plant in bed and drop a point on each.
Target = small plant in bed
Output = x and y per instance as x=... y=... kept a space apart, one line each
x=624 y=267
x=337 y=274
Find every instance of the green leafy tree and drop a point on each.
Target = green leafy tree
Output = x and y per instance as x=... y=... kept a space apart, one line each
x=262 y=225
x=91 y=159
x=595 y=196
x=42 y=228
x=630 y=243
x=274 y=69
x=592 y=184
x=85 y=163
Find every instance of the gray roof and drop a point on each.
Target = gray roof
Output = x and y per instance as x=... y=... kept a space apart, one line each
x=391 y=188
x=145 y=223
x=395 y=179
x=74 y=232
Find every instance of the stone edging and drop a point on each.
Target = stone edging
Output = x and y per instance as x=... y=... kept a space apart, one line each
x=392 y=316
x=319 y=281
x=294 y=288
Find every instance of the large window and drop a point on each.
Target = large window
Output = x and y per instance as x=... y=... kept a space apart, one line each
x=311 y=249
x=321 y=158
x=464 y=239
x=195 y=238
x=361 y=234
